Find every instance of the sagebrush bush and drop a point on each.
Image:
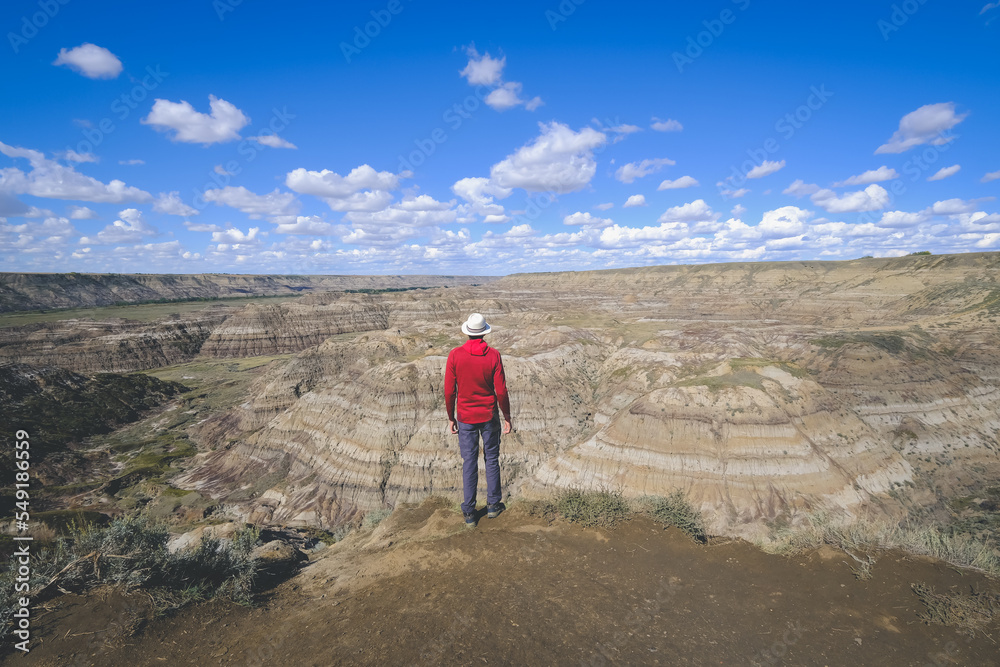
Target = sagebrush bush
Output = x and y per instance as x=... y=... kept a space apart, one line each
x=375 y=517
x=675 y=510
x=131 y=552
x=592 y=508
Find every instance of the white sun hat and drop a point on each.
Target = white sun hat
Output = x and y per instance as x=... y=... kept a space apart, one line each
x=476 y=325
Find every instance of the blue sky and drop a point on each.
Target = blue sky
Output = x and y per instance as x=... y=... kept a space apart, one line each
x=405 y=137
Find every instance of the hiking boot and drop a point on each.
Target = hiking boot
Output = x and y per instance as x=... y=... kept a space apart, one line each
x=470 y=519
x=493 y=511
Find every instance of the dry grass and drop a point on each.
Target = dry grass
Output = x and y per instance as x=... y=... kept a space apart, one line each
x=969 y=612
x=865 y=536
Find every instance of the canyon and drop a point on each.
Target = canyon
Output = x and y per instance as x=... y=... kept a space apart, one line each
x=765 y=392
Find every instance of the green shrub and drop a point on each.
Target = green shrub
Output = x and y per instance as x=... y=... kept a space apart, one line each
x=592 y=508
x=375 y=517
x=131 y=552
x=675 y=510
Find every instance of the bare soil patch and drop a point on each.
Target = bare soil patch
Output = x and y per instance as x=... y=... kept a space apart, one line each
x=422 y=589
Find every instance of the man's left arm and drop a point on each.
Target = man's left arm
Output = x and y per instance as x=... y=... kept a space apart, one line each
x=500 y=389
x=450 y=391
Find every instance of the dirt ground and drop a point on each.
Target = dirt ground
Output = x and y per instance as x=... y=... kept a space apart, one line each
x=424 y=590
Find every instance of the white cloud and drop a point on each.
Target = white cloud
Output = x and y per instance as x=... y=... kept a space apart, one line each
x=733 y=194
x=11 y=207
x=989 y=241
x=617 y=236
x=232 y=235
x=784 y=222
x=310 y=225
x=52 y=180
x=272 y=141
x=587 y=220
x=625 y=128
x=392 y=219
x=130 y=227
x=902 y=219
x=479 y=192
x=800 y=188
x=633 y=170
x=190 y=126
x=635 y=200
x=369 y=200
x=274 y=203
x=682 y=182
x=363 y=189
x=506 y=96
x=482 y=70
x=992 y=176
x=35 y=212
x=988 y=6
x=90 y=60
x=201 y=227
x=765 y=168
x=388 y=237
x=605 y=206
x=72 y=156
x=925 y=125
x=424 y=203
x=871 y=198
x=738 y=210
x=621 y=131
x=171 y=204
x=980 y=221
x=945 y=172
x=220 y=170
x=81 y=213
x=956 y=206
x=131 y=162
x=883 y=173
x=559 y=160
x=694 y=211
x=669 y=125
x=327 y=183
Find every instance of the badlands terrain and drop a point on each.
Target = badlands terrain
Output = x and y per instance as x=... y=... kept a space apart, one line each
x=772 y=395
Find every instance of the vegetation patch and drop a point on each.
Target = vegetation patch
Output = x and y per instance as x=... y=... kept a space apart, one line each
x=607 y=508
x=674 y=510
x=66 y=521
x=990 y=303
x=131 y=553
x=588 y=508
x=969 y=612
x=58 y=407
x=740 y=378
x=866 y=536
x=757 y=362
x=324 y=536
x=375 y=517
x=890 y=342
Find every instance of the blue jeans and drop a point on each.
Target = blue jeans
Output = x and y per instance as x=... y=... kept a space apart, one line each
x=468 y=443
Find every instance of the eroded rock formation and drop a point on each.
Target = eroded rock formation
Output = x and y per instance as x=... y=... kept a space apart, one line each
x=761 y=390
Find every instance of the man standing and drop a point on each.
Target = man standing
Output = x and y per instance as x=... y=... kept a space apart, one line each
x=474 y=380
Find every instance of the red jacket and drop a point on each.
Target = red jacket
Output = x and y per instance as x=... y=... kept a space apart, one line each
x=474 y=376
